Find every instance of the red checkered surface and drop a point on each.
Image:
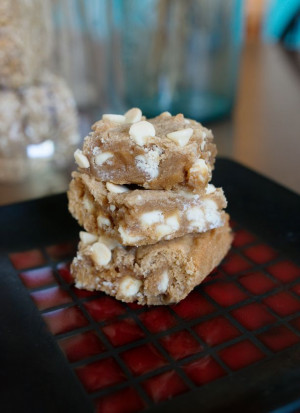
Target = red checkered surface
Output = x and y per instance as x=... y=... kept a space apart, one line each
x=247 y=310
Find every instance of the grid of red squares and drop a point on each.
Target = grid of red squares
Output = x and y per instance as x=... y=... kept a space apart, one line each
x=203 y=336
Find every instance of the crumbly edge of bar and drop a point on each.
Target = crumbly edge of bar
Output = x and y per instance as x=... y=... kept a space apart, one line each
x=185 y=261
x=90 y=203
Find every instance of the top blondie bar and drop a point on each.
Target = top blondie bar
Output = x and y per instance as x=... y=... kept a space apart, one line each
x=159 y=153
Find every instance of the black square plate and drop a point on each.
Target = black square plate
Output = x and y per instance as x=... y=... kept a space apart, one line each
x=232 y=344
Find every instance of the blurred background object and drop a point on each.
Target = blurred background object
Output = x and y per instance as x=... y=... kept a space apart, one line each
x=82 y=49
x=254 y=14
x=282 y=23
x=159 y=55
x=25 y=41
x=38 y=121
x=229 y=63
x=178 y=56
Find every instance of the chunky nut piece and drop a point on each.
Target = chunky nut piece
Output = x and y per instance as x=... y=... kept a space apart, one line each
x=140 y=131
x=81 y=160
x=133 y=115
x=116 y=189
x=103 y=221
x=181 y=137
x=164 y=282
x=87 y=238
x=102 y=157
x=198 y=172
x=100 y=253
x=129 y=286
x=114 y=118
x=150 y=218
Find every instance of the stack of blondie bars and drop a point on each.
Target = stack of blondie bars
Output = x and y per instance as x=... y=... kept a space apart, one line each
x=155 y=226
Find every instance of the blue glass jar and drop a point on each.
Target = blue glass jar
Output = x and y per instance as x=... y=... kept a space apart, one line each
x=176 y=55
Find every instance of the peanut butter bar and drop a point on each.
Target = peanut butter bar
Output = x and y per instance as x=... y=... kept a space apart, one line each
x=158 y=153
x=139 y=217
x=157 y=274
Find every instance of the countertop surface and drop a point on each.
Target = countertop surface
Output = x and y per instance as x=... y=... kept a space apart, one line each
x=263 y=133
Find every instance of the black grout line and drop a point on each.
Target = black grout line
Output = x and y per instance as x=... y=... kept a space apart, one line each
x=184 y=324
x=42 y=287
x=155 y=341
x=206 y=349
x=92 y=323
x=260 y=299
x=246 y=333
x=187 y=325
x=102 y=336
x=181 y=323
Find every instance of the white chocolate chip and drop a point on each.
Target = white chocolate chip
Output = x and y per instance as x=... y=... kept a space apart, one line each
x=188 y=194
x=81 y=160
x=108 y=284
x=187 y=121
x=165 y=114
x=164 y=282
x=195 y=214
x=100 y=253
x=149 y=163
x=181 y=137
x=197 y=219
x=87 y=238
x=114 y=118
x=140 y=131
x=129 y=286
x=102 y=221
x=127 y=238
x=162 y=230
x=79 y=285
x=112 y=207
x=173 y=222
x=199 y=171
x=210 y=189
x=116 y=189
x=212 y=214
x=102 y=157
x=133 y=115
x=88 y=204
x=109 y=242
x=150 y=218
